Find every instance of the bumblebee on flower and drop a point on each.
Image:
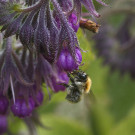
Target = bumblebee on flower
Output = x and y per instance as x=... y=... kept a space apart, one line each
x=46 y=48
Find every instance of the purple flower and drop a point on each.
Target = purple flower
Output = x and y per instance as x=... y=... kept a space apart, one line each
x=4 y=103
x=39 y=98
x=3 y=124
x=11 y=69
x=117 y=50
x=66 y=5
x=37 y=28
x=67 y=62
x=62 y=78
x=50 y=49
x=90 y=6
x=73 y=22
x=22 y=108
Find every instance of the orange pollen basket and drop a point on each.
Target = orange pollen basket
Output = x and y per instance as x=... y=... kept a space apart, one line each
x=88 y=85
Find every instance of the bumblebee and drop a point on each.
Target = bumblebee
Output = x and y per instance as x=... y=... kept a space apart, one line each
x=80 y=83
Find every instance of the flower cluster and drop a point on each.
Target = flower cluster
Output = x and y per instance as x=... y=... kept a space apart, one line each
x=117 y=46
x=45 y=49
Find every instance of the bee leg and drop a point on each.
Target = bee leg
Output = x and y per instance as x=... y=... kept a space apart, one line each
x=71 y=79
x=63 y=84
x=74 y=72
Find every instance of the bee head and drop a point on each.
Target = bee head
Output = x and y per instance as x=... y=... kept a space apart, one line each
x=82 y=75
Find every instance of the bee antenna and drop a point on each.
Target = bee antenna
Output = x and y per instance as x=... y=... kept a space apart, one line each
x=63 y=84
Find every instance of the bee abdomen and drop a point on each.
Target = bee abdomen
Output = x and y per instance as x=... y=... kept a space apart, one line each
x=88 y=85
x=73 y=99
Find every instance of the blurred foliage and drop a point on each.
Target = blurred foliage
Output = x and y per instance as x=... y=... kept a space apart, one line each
x=63 y=126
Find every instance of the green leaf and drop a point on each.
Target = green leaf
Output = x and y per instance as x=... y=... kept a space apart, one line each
x=88 y=55
x=126 y=126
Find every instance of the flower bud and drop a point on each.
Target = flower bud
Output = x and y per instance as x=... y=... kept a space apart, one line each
x=21 y=108
x=62 y=78
x=39 y=98
x=4 y=103
x=73 y=22
x=67 y=62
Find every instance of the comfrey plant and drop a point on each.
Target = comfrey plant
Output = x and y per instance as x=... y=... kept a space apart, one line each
x=118 y=49
x=45 y=49
x=116 y=45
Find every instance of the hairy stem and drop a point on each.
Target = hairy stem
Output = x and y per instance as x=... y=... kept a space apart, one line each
x=33 y=7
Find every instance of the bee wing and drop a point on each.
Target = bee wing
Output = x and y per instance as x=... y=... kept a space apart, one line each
x=90 y=97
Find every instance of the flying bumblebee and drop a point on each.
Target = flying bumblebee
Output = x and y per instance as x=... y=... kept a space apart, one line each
x=80 y=83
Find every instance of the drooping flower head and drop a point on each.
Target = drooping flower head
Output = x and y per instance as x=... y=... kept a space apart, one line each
x=36 y=24
x=45 y=49
x=21 y=108
x=117 y=46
